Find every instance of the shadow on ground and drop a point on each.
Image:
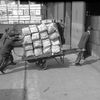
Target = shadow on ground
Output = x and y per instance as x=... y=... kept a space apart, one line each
x=87 y=62
x=52 y=63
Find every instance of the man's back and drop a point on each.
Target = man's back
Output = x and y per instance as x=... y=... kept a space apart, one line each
x=83 y=40
x=7 y=47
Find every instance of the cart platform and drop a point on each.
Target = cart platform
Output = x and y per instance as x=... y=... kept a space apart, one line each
x=48 y=56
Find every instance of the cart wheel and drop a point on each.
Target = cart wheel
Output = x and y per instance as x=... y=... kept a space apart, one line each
x=62 y=59
x=43 y=65
x=37 y=63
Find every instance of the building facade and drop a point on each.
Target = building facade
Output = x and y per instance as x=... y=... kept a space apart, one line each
x=77 y=17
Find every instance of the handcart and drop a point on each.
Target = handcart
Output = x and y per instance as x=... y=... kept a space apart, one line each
x=41 y=60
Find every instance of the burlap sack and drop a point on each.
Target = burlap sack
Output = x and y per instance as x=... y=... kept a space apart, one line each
x=29 y=53
x=37 y=43
x=28 y=47
x=46 y=43
x=44 y=35
x=38 y=51
x=42 y=27
x=27 y=39
x=47 y=50
x=35 y=36
x=51 y=28
x=55 y=49
x=55 y=42
x=54 y=35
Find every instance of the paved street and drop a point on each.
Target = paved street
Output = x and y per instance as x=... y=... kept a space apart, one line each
x=58 y=82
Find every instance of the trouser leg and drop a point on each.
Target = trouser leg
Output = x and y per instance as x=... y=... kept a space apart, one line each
x=4 y=63
x=11 y=58
x=79 y=57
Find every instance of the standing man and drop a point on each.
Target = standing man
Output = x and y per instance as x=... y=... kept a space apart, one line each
x=60 y=27
x=83 y=46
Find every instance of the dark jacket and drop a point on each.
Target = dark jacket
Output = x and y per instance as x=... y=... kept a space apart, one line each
x=83 y=40
x=8 y=46
x=2 y=40
x=61 y=32
x=84 y=44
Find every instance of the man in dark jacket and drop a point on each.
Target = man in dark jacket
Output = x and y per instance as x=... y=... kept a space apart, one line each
x=83 y=46
x=60 y=26
x=4 y=37
x=5 y=51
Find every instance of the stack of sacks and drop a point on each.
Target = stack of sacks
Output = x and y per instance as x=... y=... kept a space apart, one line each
x=54 y=37
x=45 y=39
x=27 y=42
x=41 y=39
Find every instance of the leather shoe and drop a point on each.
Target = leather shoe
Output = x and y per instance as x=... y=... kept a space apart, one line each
x=2 y=72
x=77 y=64
x=12 y=63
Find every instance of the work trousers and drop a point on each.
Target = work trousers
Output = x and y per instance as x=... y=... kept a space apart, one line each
x=3 y=61
x=79 y=57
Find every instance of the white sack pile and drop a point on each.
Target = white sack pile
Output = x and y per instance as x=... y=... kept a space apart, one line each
x=41 y=39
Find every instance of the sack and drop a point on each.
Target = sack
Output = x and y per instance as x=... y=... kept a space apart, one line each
x=27 y=39
x=29 y=53
x=55 y=42
x=51 y=28
x=28 y=47
x=33 y=28
x=44 y=35
x=37 y=43
x=55 y=49
x=26 y=31
x=54 y=35
x=42 y=27
x=47 y=50
x=38 y=51
x=46 y=43
x=35 y=36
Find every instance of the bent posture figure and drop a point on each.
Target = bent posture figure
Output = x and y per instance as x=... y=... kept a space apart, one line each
x=5 y=51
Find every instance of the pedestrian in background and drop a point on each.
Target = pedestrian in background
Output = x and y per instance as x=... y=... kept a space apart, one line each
x=60 y=26
x=84 y=50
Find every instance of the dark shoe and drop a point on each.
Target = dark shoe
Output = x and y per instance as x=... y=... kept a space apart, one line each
x=12 y=63
x=2 y=72
x=77 y=64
